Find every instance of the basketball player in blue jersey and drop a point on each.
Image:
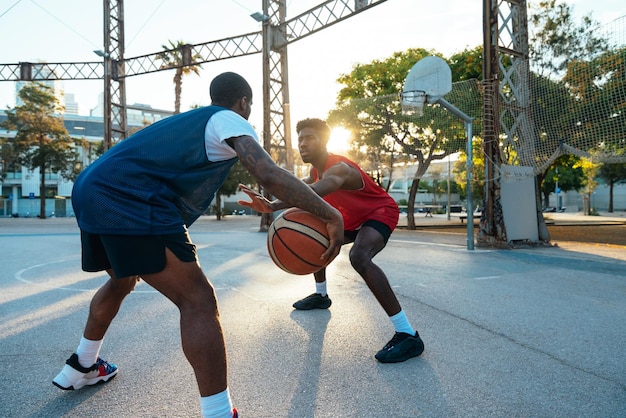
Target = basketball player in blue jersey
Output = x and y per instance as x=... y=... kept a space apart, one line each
x=133 y=206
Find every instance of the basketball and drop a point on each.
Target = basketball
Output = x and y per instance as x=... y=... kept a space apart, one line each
x=296 y=240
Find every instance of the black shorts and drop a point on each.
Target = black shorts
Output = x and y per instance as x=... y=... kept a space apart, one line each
x=384 y=230
x=133 y=255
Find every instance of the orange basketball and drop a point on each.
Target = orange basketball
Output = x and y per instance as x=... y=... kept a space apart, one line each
x=296 y=240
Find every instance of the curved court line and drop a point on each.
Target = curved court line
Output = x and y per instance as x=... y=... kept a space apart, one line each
x=19 y=276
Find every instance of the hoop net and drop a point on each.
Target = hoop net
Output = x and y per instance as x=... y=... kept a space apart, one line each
x=413 y=102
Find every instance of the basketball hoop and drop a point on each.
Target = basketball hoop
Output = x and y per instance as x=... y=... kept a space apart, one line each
x=428 y=81
x=413 y=102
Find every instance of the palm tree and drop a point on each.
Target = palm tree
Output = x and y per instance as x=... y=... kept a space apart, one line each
x=174 y=57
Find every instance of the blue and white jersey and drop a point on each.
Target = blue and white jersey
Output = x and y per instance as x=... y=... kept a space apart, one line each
x=162 y=178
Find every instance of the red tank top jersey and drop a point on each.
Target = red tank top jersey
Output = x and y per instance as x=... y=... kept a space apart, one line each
x=371 y=202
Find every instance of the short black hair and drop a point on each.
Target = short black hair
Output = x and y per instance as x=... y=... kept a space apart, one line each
x=229 y=87
x=319 y=125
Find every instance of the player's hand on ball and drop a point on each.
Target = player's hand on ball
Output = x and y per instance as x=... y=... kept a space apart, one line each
x=258 y=202
x=335 y=233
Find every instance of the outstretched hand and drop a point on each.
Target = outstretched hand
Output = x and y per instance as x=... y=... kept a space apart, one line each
x=258 y=202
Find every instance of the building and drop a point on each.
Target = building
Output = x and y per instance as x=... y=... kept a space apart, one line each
x=20 y=191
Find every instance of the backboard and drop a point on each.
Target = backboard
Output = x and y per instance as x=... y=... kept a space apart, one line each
x=428 y=81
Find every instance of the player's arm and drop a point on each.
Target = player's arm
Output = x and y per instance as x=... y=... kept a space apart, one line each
x=259 y=203
x=339 y=176
x=289 y=189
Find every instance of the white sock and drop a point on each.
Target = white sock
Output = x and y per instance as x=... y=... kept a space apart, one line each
x=217 y=406
x=88 y=351
x=320 y=288
x=401 y=323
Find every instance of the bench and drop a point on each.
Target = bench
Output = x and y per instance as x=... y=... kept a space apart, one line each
x=464 y=217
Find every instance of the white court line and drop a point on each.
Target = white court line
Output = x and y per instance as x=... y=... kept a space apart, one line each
x=462 y=247
x=430 y=244
x=487 y=278
x=236 y=290
x=19 y=276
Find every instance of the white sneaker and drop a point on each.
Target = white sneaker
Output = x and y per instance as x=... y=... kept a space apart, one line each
x=74 y=376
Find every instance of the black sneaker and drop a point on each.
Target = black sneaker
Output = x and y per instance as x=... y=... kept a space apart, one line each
x=402 y=347
x=313 y=301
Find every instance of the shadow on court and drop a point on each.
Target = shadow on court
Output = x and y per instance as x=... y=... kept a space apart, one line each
x=526 y=333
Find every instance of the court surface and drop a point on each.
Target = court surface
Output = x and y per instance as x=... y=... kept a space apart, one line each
x=535 y=332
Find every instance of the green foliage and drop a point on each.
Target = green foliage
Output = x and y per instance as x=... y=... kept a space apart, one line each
x=567 y=171
x=467 y=65
x=575 y=93
x=238 y=174
x=41 y=140
x=598 y=86
x=558 y=39
x=173 y=56
x=379 y=78
x=612 y=173
x=588 y=183
x=478 y=173
x=370 y=107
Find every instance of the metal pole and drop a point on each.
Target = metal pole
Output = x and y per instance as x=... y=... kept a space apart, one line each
x=448 y=187
x=469 y=163
x=469 y=170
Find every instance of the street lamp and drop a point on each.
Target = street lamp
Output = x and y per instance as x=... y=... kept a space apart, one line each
x=260 y=17
x=101 y=53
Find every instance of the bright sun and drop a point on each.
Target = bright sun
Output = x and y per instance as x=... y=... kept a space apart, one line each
x=340 y=139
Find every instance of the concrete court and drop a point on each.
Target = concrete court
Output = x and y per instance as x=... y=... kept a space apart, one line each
x=536 y=332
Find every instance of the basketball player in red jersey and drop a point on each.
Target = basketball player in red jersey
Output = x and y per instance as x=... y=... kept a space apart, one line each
x=369 y=214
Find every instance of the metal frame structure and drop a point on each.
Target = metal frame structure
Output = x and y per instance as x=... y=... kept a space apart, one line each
x=506 y=101
x=506 y=39
x=272 y=41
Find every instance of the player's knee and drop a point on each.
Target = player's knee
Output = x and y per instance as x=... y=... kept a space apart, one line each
x=359 y=259
x=124 y=285
x=201 y=298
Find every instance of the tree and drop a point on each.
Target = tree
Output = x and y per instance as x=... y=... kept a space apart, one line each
x=175 y=56
x=369 y=106
x=558 y=39
x=612 y=173
x=557 y=42
x=478 y=174
x=589 y=184
x=566 y=172
x=598 y=86
x=467 y=65
x=238 y=174
x=41 y=140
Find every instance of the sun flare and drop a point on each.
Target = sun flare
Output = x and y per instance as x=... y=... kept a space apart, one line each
x=340 y=139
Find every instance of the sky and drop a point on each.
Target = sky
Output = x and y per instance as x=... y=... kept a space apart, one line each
x=70 y=30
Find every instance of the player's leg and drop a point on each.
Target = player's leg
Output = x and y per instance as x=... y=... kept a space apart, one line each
x=319 y=299
x=367 y=244
x=106 y=303
x=85 y=367
x=406 y=343
x=185 y=284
